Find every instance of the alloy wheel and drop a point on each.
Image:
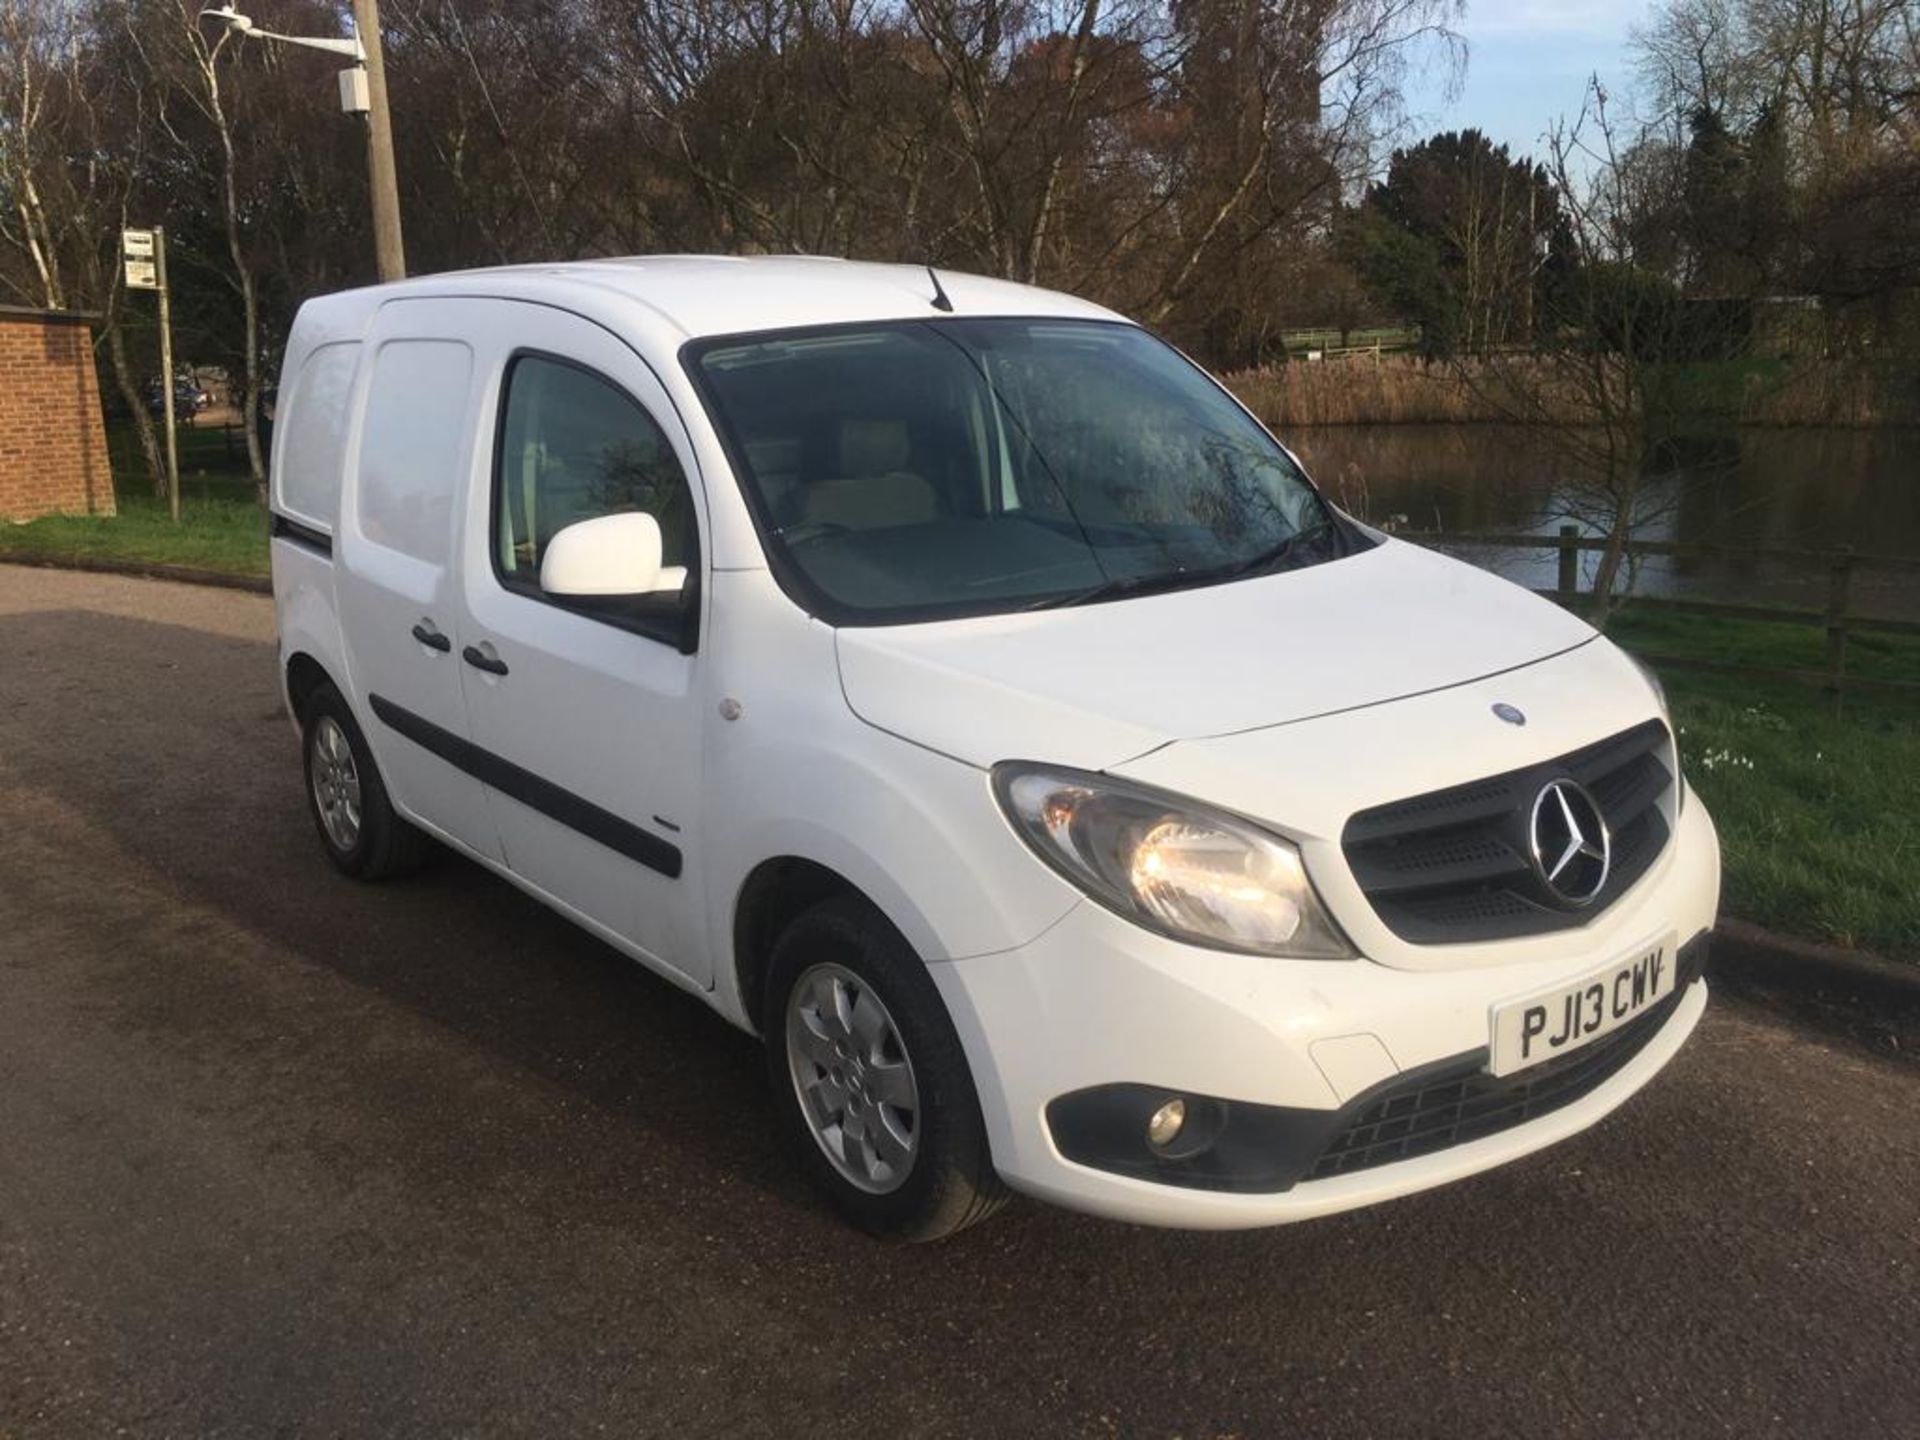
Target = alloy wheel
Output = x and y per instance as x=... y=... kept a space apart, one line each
x=336 y=784
x=853 y=1077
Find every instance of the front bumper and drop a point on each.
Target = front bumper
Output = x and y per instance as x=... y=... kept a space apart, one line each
x=1096 y=1001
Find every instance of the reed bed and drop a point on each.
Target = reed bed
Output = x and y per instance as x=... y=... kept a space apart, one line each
x=1814 y=393
x=1360 y=390
x=1367 y=389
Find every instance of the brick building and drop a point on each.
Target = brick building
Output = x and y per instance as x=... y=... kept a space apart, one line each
x=53 y=443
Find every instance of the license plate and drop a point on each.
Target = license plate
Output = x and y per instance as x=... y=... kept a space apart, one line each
x=1562 y=1019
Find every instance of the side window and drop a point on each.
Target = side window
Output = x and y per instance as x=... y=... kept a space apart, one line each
x=573 y=447
x=313 y=441
x=411 y=444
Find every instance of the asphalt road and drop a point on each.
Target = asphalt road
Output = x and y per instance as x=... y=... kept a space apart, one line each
x=282 y=1154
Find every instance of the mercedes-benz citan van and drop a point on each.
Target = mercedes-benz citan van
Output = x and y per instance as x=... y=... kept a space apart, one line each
x=949 y=682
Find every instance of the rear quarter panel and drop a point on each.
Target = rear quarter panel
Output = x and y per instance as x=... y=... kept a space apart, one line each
x=309 y=624
x=310 y=445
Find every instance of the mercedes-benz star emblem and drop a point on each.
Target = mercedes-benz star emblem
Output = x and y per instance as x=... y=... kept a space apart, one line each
x=1571 y=848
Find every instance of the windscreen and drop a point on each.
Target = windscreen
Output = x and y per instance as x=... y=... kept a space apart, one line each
x=925 y=469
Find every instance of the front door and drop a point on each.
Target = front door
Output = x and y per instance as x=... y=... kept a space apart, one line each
x=394 y=581
x=586 y=712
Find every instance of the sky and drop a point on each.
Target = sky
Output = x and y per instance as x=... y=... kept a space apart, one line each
x=1528 y=62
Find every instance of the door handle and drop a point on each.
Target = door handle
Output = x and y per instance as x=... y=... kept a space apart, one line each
x=482 y=657
x=428 y=636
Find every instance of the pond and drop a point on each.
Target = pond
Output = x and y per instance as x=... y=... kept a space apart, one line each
x=1805 y=489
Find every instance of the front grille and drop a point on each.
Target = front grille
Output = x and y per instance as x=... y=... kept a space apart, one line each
x=1457 y=1101
x=1452 y=866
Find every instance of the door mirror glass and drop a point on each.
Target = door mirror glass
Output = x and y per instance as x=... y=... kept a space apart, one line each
x=610 y=555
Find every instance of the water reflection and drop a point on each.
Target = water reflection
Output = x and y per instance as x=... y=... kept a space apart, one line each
x=1806 y=489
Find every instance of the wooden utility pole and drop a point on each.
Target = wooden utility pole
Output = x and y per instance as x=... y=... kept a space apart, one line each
x=143 y=259
x=390 y=251
x=166 y=370
x=363 y=91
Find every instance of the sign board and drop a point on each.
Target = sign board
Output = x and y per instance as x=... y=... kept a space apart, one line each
x=136 y=247
x=144 y=253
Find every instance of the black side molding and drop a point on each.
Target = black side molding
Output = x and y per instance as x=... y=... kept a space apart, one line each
x=305 y=536
x=534 y=791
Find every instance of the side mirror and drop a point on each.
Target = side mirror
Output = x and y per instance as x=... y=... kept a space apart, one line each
x=608 y=555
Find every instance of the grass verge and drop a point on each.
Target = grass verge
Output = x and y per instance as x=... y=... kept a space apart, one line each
x=222 y=525
x=1819 y=817
x=216 y=533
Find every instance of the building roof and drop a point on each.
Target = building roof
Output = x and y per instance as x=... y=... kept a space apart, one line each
x=49 y=317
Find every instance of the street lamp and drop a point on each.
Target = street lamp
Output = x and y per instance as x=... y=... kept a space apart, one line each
x=363 y=91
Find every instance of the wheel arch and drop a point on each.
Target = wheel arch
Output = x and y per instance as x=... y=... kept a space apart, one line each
x=775 y=893
x=304 y=675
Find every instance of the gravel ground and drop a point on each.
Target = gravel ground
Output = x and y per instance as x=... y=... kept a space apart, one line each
x=282 y=1154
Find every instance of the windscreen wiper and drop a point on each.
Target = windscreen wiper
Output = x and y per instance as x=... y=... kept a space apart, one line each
x=1267 y=561
x=1275 y=557
x=1118 y=586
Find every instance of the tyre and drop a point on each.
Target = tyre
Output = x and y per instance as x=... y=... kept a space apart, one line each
x=347 y=798
x=869 y=1080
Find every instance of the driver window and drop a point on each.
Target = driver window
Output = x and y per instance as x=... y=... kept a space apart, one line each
x=575 y=447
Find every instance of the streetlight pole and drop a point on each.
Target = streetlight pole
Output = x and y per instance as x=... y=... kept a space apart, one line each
x=363 y=91
x=389 y=245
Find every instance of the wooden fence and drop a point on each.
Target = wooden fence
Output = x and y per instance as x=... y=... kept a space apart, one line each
x=1328 y=341
x=1836 y=618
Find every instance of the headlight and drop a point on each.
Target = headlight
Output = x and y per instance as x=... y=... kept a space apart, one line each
x=1171 y=865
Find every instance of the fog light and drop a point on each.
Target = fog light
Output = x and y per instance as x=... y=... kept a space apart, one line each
x=1164 y=1126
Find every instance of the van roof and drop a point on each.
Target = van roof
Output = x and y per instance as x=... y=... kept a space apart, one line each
x=702 y=295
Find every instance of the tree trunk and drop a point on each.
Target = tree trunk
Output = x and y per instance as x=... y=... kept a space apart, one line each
x=249 y=292
x=136 y=403
x=250 y=386
x=35 y=237
x=126 y=382
x=1063 y=134
x=1612 y=557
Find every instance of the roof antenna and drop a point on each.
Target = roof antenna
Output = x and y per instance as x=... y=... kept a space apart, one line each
x=940 y=300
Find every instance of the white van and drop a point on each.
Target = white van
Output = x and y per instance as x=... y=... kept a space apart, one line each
x=947 y=681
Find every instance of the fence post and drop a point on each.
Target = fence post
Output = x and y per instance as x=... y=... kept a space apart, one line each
x=1569 y=586
x=1839 y=582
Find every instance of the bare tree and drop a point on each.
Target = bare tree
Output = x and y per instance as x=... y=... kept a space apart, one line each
x=189 y=63
x=1178 y=158
x=1841 y=73
x=33 y=35
x=107 y=136
x=69 y=158
x=1588 y=381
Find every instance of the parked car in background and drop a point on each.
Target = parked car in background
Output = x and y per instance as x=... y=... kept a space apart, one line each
x=189 y=398
x=947 y=681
